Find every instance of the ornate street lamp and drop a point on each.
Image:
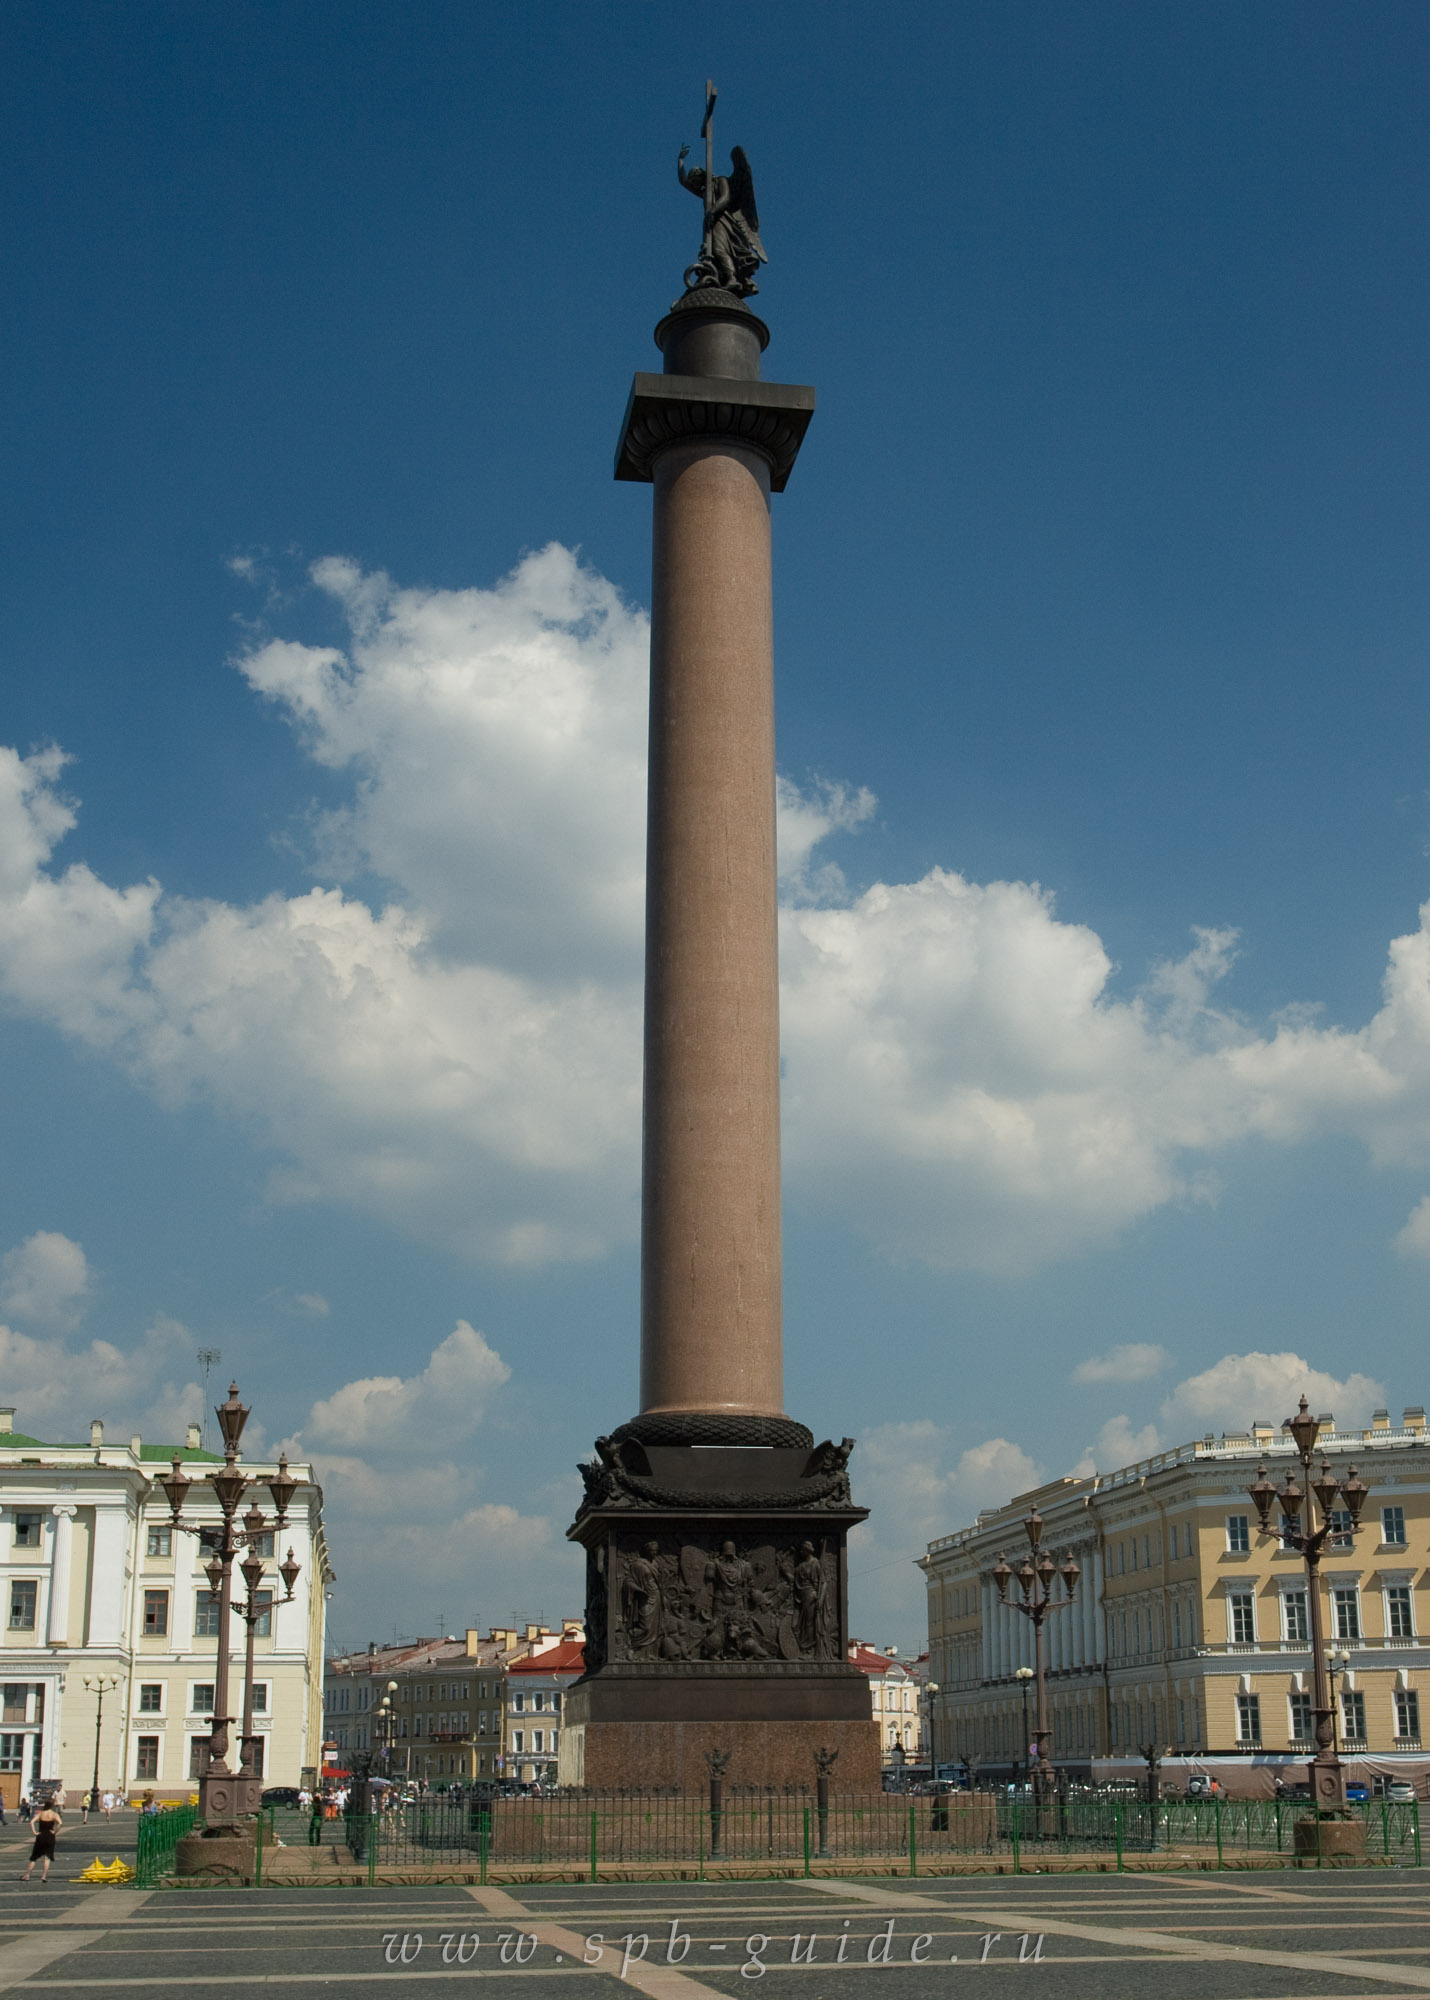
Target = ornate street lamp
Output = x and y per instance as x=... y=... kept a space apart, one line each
x=1024 y=1677
x=251 y=1610
x=224 y=1795
x=102 y=1686
x=1328 y=1778
x=1035 y=1582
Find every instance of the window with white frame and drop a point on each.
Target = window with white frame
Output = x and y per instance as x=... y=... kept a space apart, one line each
x=1399 y=1615
x=1392 y=1527
x=23 y=1595
x=1238 y=1534
x=1353 y=1714
x=1345 y=1600
x=1248 y=1718
x=151 y=1697
x=1340 y=1525
x=1241 y=1617
x=1295 y=1618
x=1303 y=1722
x=29 y=1530
x=1407 y=1715
x=201 y=1702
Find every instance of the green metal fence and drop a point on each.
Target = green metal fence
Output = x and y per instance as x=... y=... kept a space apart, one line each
x=594 y=1834
x=159 y=1834
x=1235 y=1831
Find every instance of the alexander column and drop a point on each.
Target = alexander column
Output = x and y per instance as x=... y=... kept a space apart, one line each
x=714 y=1528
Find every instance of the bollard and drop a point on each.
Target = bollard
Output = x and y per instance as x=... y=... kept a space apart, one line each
x=716 y=1762
x=824 y=1762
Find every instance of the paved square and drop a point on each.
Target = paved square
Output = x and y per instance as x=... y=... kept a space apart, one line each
x=1269 y=1936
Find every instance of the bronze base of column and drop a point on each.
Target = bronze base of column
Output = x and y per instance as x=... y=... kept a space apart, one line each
x=716 y=1609
x=225 y=1798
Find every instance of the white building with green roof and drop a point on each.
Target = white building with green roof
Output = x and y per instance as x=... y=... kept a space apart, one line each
x=96 y=1587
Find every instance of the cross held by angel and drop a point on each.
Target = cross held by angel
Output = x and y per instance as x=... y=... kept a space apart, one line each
x=731 y=252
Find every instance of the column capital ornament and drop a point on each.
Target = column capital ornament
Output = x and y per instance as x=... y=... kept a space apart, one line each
x=768 y=417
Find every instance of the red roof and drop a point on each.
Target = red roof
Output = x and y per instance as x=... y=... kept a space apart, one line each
x=567 y=1657
x=868 y=1661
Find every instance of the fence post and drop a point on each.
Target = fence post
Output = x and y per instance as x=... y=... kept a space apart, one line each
x=1117 y=1823
x=594 y=1876
x=1384 y=1828
x=258 y=1853
x=913 y=1840
x=1013 y=1830
x=1416 y=1824
x=806 y=1840
x=372 y=1850
x=1278 y=1826
x=1216 y=1811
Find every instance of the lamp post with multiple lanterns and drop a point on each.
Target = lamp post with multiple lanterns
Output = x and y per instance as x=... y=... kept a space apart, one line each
x=102 y=1686
x=1035 y=1582
x=1297 y=1531
x=223 y=1794
x=251 y=1610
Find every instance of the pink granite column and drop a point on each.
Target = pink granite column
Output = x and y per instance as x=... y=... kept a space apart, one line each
x=710 y=1262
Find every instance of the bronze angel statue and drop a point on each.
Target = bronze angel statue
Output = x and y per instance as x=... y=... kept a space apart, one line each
x=731 y=252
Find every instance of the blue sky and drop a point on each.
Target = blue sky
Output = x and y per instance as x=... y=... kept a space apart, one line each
x=1103 y=570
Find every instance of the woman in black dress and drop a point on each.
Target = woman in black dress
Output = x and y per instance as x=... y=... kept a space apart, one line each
x=46 y=1824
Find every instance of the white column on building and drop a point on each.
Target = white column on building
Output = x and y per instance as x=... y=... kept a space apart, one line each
x=1099 y=1623
x=986 y=1628
x=59 y=1619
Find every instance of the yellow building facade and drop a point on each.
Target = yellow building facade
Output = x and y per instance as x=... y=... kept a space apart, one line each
x=1189 y=1630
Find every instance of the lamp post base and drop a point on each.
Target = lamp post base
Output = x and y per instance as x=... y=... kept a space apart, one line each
x=225 y=1798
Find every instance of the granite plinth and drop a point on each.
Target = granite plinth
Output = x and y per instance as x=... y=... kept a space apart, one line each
x=608 y=1754
x=230 y=1854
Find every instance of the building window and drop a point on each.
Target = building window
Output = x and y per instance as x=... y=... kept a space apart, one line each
x=23 y=1593
x=29 y=1530
x=1248 y=1718
x=1238 y=1534
x=1290 y=1529
x=262 y=1545
x=1172 y=1543
x=198 y=1756
x=156 y=1613
x=206 y=1614
x=518 y=1741
x=1392 y=1526
x=159 y=1541
x=1353 y=1715
x=1347 y=1603
x=518 y=1702
x=151 y=1698
x=1340 y=1525
x=260 y=1697
x=1407 y=1714
x=482 y=1723
x=146 y=1758
x=12 y=1753
x=1241 y=1618
x=417 y=1725
x=1303 y=1723
x=263 y=1623
x=1296 y=1616
x=210 y=1541
x=1176 y=1627
x=203 y=1701
x=1398 y=1620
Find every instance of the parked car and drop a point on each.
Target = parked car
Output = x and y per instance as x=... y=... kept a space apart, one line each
x=1357 y=1794
x=1401 y=1791
x=1201 y=1785
x=279 y=1795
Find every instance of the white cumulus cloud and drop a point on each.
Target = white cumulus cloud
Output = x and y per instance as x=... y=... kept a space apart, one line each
x=1241 y=1388
x=442 y=1405
x=444 y=1031
x=1136 y=1361
x=45 y=1281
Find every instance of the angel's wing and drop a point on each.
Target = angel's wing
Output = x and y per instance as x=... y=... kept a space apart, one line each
x=742 y=189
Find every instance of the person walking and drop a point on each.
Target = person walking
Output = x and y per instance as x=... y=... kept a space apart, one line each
x=47 y=1825
x=84 y=1808
x=25 y=1807
x=108 y=1804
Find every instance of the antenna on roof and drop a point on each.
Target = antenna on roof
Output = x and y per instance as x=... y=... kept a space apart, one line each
x=208 y=1357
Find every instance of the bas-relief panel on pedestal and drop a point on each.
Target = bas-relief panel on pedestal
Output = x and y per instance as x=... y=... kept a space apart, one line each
x=692 y=1597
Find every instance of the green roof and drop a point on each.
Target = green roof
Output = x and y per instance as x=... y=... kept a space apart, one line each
x=16 y=1440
